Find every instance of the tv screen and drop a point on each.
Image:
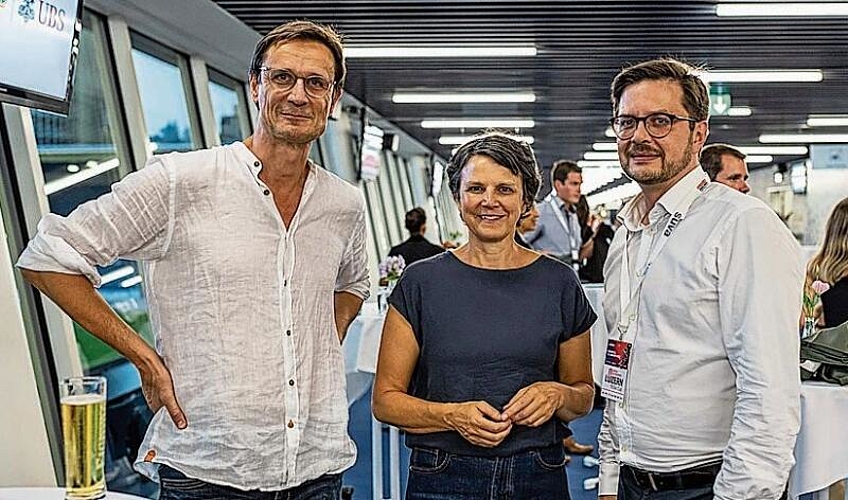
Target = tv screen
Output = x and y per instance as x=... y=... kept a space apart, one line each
x=39 y=44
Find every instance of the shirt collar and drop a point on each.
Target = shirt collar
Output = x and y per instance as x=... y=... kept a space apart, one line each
x=244 y=154
x=634 y=210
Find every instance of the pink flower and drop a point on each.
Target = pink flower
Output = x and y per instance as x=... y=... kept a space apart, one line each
x=820 y=287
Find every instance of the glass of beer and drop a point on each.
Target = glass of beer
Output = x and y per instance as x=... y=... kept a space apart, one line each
x=83 y=402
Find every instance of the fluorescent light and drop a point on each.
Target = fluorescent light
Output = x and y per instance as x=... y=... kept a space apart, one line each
x=83 y=175
x=739 y=111
x=121 y=272
x=461 y=97
x=609 y=133
x=758 y=159
x=605 y=146
x=135 y=280
x=762 y=76
x=396 y=51
x=479 y=123
x=598 y=163
x=774 y=150
x=827 y=120
x=803 y=138
x=462 y=139
x=780 y=9
x=600 y=155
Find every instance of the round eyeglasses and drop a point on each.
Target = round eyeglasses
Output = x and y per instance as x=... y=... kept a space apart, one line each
x=658 y=125
x=315 y=86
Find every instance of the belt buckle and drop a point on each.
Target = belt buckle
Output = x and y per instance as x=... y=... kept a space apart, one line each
x=652 y=482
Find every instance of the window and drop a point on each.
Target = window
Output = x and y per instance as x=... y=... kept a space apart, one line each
x=163 y=83
x=229 y=106
x=81 y=156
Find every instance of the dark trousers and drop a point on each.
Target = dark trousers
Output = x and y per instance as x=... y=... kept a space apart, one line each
x=529 y=475
x=629 y=489
x=174 y=485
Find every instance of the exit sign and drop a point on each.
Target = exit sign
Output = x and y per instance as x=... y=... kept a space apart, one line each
x=719 y=100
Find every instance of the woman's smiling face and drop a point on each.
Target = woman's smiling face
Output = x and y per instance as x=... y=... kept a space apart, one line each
x=490 y=199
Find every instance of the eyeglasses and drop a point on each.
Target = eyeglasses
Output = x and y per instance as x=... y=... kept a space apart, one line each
x=658 y=125
x=283 y=79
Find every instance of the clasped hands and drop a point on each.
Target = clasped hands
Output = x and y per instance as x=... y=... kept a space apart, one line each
x=481 y=424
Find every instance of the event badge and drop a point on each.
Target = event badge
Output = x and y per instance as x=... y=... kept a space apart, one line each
x=615 y=369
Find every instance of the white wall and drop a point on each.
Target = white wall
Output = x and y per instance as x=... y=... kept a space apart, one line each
x=21 y=419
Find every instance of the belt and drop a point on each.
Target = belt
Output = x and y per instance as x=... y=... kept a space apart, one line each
x=695 y=477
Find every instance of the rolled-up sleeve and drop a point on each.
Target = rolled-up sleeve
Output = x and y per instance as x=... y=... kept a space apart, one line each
x=608 y=452
x=133 y=221
x=353 y=271
x=760 y=279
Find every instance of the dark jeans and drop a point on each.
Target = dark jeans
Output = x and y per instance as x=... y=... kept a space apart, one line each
x=535 y=474
x=174 y=485
x=628 y=489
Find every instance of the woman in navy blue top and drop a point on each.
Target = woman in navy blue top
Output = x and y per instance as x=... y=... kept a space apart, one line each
x=485 y=349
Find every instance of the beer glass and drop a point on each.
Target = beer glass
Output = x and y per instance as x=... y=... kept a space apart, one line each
x=83 y=402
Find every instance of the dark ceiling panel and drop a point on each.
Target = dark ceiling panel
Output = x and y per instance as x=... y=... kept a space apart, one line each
x=581 y=46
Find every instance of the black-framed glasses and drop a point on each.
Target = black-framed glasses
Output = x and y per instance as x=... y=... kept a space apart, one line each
x=315 y=86
x=658 y=125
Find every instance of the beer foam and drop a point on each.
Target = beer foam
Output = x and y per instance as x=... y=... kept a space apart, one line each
x=83 y=399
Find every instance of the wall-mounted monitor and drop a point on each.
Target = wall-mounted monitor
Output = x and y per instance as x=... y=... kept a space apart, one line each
x=39 y=45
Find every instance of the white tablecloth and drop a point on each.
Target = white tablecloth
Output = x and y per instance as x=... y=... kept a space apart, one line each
x=821 y=452
x=52 y=494
x=361 y=346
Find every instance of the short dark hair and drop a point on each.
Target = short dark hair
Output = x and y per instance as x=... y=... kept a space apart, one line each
x=414 y=219
x=711 y=157
x=513 y=154
x=561 y=169
x=306 y=30
x=696 y=96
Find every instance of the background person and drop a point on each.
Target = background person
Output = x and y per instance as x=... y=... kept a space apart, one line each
x=247 y=381
x=416 y=247
x=559 y=233
x=485 y=349
x=830 y=265
x=726 y=164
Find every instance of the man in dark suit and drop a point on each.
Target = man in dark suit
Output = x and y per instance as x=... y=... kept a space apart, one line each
x=416 y=247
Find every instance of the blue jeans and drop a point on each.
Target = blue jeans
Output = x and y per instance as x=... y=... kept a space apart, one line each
x=531 y=475
x=628 y=489
x=174 y=485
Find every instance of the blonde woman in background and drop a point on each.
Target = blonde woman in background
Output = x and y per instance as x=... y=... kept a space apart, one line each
x=830 y=266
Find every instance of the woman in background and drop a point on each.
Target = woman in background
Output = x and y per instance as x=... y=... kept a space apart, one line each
x=485 y=348
x=830 y=266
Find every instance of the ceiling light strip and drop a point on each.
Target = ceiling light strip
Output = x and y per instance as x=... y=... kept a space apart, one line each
x=782 y=9
x=412 y=52
x=449 y=140
x=479 y=123
x=461 y=97
x=804 y=138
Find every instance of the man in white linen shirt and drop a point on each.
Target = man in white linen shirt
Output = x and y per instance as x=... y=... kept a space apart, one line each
x=255 y=265
x=709 y=407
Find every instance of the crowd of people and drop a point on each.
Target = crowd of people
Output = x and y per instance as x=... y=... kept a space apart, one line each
x=485 y=355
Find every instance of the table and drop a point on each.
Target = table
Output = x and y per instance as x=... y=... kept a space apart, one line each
x=821 y=451
x=52 y=494
x=361 y=347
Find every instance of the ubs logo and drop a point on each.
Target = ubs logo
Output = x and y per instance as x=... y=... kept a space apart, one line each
x=49 y=15
x=675 y=219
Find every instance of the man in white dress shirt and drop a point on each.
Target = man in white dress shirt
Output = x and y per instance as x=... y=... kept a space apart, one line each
x=254 y=265
x=702 y=296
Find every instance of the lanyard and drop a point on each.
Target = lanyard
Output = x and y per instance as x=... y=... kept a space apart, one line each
x=565 y=225
x=628 y=313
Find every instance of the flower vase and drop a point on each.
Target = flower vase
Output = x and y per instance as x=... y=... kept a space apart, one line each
x=809 y=327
